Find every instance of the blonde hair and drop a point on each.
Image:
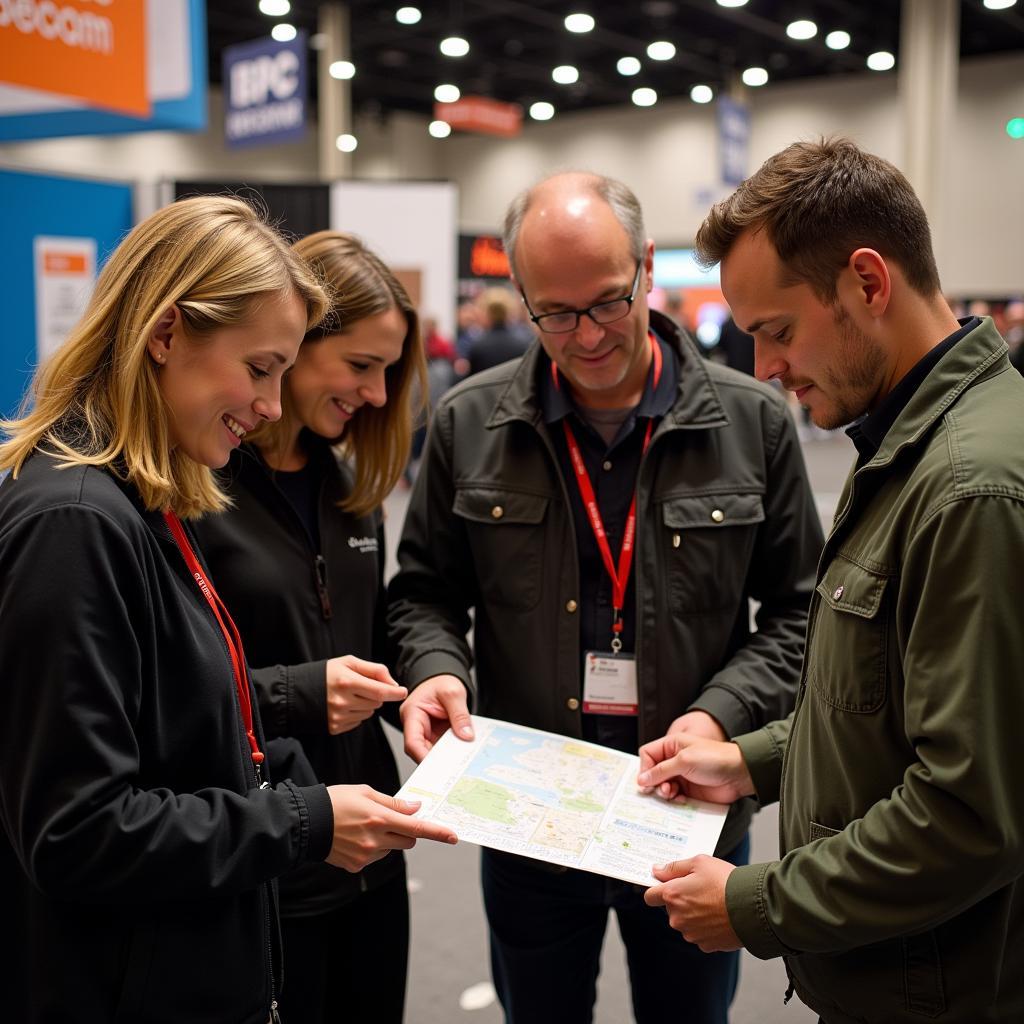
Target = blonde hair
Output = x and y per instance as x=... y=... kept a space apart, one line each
x=378 y=440
x=97 y=401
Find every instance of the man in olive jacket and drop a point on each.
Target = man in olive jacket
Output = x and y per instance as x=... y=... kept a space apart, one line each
x=497 y=524
x=898 y=896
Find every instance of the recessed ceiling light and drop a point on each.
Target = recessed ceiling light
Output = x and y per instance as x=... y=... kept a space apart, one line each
x=838 y=40
x=802 y=29
x=275 y=8
x=542 y=110
x=565 y=74
x=439 y=129
x=755 y=77
x=731 y=3
x=662 y=49
x=579 y=23
x=702 y=94
x=999 y=5
x=454 y=46
x=342 y=69
x=447 y=93
x=644 y=97
x=628 y=66
x=408 y=15
x=346 y=143
x=881 y=60
x=283 y=32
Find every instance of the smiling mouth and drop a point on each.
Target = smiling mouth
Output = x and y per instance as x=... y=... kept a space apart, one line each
x=349 y=410
x=234 y=426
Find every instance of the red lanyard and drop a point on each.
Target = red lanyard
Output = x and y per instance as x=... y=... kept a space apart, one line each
x=230 y=631
x=620 y=575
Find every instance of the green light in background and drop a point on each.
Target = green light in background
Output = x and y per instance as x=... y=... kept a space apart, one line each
x=1015 y=127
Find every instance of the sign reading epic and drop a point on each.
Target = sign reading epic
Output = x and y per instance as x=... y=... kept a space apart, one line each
x=265 y=92
x=91 y=50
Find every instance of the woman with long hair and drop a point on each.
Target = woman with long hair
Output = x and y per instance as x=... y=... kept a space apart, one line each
x=300 y=559
x=141 y=830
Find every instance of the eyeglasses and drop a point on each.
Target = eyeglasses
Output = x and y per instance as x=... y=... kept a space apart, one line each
x=601 y=313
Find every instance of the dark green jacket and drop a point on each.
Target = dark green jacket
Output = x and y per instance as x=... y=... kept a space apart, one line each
x=490 y=528
x=902 y=769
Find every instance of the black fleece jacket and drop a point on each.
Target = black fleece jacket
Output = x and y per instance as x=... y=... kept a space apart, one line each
x=296 y=606
x=137 y=851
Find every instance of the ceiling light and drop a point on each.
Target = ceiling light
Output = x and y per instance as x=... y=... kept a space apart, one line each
x=439 y=129
x=755 y=77
x=454 y=46
x=283 y=32
x=346 y=143
x=661 y=50
x=802 y=29
x=731 y=3
x=542 y=111
x=275 y=8
x=579 y=22
x=1015 y=127
x=447 y=93
x=881 y=60
x=565 y=74
x=342 y=69
x=702 y=94
x=408 y=15
x=628 y=66
x=999 y=5
x=838 y=40
x=645 y=97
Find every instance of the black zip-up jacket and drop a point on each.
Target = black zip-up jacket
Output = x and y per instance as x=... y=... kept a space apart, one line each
x=137 y=850
x=296 y=607
x=724 y=514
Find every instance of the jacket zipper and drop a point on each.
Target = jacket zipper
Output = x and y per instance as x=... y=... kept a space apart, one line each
x=320 y=568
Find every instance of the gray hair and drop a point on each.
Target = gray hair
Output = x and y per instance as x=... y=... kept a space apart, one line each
x=619 y=197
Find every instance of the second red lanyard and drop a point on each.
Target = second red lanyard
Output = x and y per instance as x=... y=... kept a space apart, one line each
x=619 y=574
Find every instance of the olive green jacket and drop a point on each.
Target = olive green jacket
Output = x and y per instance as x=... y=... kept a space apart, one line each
x=901 y=771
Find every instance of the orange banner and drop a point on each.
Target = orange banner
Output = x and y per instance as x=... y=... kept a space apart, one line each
x=64 y=263
x=482 y=114
x=89 y=50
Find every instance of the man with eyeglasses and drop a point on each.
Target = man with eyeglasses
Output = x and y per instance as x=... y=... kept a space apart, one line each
x=611 y=427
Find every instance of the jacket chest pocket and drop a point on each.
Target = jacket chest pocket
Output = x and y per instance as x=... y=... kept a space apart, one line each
x=846 y=662
x=707 y=543
x=506 y=535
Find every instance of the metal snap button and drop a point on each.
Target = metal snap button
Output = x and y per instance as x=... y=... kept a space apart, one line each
x=838 y=592
x=571 y=606
x=572 y=704
x=497 y=512
x=717 y=516
x=606 y=464
x=676 y=540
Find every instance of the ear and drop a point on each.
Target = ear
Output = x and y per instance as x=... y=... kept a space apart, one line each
x=865 y=283
x=164 y=334
x=649 y=263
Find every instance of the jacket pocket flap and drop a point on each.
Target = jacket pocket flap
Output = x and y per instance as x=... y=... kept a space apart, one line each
x=848 y=587
x=712 y=510
x=497 y=506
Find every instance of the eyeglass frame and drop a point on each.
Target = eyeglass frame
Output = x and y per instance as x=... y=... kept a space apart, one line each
x=589 y=311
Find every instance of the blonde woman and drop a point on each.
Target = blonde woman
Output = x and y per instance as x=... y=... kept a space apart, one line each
x=140 y=830
x=300 y=559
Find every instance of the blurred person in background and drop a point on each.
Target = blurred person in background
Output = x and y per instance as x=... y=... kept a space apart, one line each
x=300 y=557
x=501 y=340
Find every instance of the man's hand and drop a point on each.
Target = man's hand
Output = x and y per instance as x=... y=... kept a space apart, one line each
x=436 y=704
x=368 y=825
x=693 y=893
x=355 y=689
x=703 y=769
x=696 y=723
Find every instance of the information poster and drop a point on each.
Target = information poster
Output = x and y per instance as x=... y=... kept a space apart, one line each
x=65 y=273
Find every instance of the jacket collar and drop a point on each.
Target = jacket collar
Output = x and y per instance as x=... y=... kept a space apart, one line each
x=975 y=357
x=697 y=405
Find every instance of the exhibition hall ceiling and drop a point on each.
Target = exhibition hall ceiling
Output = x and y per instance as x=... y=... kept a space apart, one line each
x=515 y=45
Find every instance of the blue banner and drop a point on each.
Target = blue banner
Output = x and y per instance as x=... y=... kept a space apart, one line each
x=265 y=92
x=733 y=140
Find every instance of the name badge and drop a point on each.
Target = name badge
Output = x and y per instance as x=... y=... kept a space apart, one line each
x=609 y=683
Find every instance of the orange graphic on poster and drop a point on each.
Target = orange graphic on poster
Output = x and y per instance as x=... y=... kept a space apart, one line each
x=88 y=50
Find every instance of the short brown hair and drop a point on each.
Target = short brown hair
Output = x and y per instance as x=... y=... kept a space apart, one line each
x=818 y=202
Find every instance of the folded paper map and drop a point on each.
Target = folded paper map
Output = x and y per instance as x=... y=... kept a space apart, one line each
x=558 y=799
